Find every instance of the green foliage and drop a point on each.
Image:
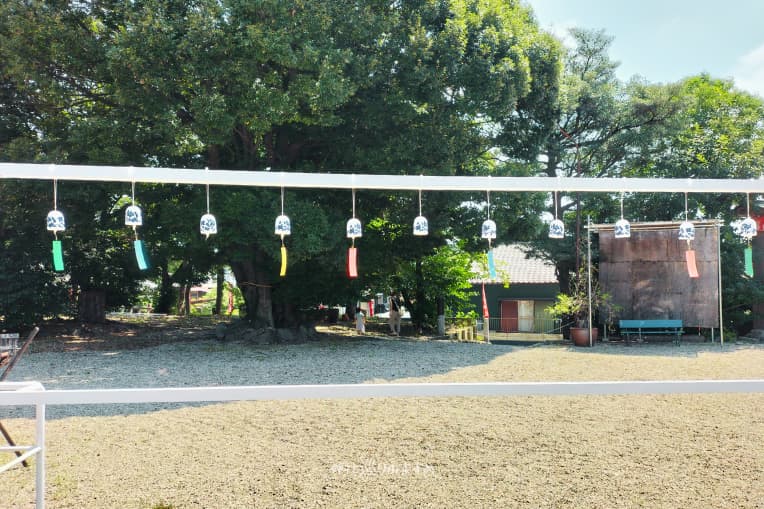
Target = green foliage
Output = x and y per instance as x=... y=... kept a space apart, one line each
x=719 y=134
x=458 y=87
x=444 y=273
x=206 y=304
x=698 y=128
x=22 y=304
x=575 y=304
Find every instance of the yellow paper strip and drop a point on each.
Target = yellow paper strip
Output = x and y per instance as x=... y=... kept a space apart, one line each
x=283 y=261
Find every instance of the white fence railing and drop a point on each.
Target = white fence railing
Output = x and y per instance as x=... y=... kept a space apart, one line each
x=25 y=451
x=33 y=393
x=529 y=325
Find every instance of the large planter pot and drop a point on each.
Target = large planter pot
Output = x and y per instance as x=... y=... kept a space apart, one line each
x=580 y=335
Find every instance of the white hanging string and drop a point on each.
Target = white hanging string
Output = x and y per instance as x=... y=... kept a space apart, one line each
x=135 y=228
x=281 y=179
x=555 y=204
x=353 y=203
x=748 y=204
x=685 y=206
x=207 y=186
x=621 y=204
x=488 y=199
x=282 y=213
x=55 y=201
x=420 y=195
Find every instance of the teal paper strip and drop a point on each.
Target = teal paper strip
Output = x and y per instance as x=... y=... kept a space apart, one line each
x=140 y=254
x=748 y=261
x=491 y=265
x=58 y=256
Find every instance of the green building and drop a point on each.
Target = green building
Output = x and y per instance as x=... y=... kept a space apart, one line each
x=525 y=288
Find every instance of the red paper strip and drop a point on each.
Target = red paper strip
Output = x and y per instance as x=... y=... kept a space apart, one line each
x=485 y=304
x=692 y=269
x=352 y=264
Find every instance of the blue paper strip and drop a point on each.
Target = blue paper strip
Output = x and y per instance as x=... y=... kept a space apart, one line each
x=491 y=265
x=140 y=254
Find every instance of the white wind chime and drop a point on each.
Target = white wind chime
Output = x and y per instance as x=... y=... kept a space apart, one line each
x=55 y=223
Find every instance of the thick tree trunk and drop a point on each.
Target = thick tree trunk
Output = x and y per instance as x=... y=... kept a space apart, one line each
x=92 y=306
x=184 y=300
x=285 y=315
x=256 y=289
x=563 y=275
x=213 y=156
x=420 y=298
x=219 y=291
x=166 y=293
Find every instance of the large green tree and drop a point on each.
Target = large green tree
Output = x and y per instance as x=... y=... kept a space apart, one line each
x=719 y=134
x=592 y=131
x=408 y=87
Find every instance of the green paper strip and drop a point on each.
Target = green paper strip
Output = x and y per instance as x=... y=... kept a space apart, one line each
x=58 y=256
x=748 y=261
x=491 y=265
x=140 y=254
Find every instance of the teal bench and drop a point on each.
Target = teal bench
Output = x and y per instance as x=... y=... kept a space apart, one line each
x=658 y=327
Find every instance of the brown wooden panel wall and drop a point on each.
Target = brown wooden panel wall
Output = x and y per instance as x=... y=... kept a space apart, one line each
x=647 y=275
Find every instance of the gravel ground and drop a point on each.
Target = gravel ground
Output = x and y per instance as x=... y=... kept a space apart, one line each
x=704 y=451
x=213 y=363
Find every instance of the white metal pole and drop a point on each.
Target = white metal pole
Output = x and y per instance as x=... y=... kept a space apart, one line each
x=363 y=390
x=589 y=272
x=340 y=180
x=40 y=460
x=719 y=271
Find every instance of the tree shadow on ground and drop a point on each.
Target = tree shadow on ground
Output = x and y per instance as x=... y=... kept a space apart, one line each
x=332 y=359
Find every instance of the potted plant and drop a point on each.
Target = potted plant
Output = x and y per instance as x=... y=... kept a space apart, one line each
x=574 y=306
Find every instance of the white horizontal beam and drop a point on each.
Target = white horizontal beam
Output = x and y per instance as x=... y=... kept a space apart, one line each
x=342 y=391
x=21 y=386
x=30 y=451
x=366 y=181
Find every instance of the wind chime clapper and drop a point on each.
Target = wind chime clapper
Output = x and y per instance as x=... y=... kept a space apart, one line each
x=208 y=225
x=748 y=230
x=353 y=231
x=556 y=227
x=488 y=232
x=134 y=218
x=421 y=227
x=282 y=228
x=56 y=223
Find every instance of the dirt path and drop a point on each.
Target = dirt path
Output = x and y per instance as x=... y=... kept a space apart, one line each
x=704 y=451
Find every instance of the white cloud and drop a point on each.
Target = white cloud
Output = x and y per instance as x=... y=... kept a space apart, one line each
x=749 y=71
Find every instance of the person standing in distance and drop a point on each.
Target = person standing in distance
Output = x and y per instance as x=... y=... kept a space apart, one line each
x=394 y=319
x=360 y=321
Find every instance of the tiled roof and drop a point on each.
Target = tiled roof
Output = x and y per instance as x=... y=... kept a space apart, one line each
x=512 y=259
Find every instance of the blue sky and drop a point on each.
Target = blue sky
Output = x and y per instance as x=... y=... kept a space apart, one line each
x=667 y=40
